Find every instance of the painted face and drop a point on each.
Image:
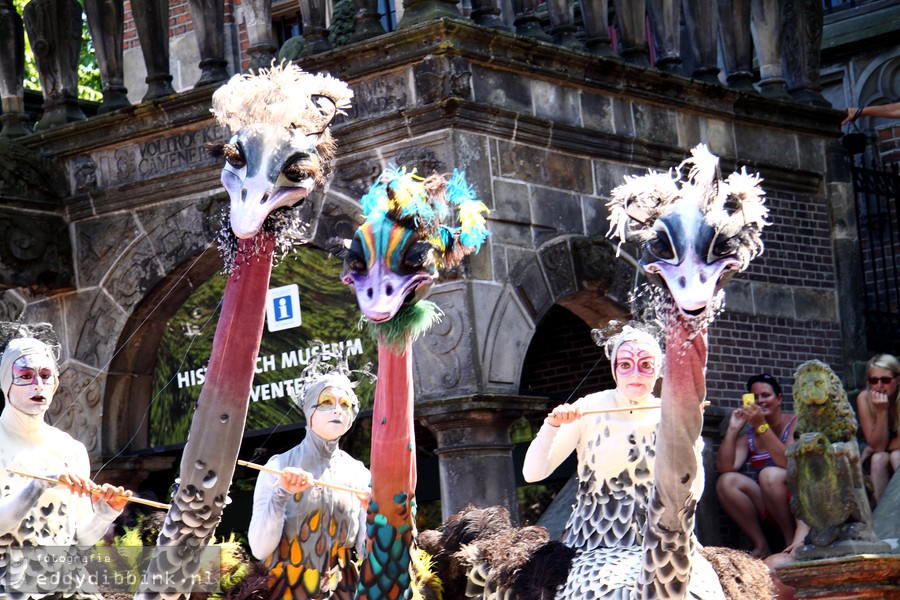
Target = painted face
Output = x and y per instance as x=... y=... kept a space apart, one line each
x=635 y=370
x=34 y=383
x=333 y=414
x=766 y=398
x=883 y=380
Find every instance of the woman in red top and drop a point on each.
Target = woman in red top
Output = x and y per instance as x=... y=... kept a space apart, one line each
x=769 y=431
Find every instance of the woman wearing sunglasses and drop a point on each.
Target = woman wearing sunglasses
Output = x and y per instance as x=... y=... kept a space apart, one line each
x=877 y=409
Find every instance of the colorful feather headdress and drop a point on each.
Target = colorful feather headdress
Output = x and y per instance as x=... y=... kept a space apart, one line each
x=424 y=205
x=734 y=207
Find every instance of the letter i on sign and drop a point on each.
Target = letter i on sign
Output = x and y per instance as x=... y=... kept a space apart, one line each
x=283 y=307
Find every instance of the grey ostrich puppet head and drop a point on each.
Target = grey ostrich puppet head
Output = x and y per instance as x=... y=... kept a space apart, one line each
x=280 y=146
x=694 y=233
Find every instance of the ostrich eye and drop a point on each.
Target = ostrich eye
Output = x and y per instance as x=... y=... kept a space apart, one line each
x=661 y=246
x=234 y=156
x=297 y=169
x=419 y=255
x=722 y=246
x=355 y=258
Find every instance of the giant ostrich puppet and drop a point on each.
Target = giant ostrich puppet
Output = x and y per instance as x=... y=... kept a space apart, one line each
x=277 y=155
x=391 y=263
x=695 y=232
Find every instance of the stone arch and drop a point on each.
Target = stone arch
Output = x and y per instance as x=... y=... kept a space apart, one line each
x=879 y=83
x=580 y=273
x=129 y=384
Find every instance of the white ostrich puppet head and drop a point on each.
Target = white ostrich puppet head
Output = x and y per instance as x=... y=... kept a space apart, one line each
x=694 y=233
x=280 y=145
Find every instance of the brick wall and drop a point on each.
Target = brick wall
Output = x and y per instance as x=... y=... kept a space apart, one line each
x=180 y=23
x=889 y=144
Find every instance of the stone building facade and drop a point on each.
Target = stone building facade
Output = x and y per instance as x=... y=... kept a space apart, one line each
x=543 y=130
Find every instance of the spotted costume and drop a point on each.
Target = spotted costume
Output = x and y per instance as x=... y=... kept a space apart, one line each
x=309 y=540
x=616 y=459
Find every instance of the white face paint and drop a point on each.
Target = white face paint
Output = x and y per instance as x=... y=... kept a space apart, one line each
x=636 y=370
x=34 y=383
x=333 y=414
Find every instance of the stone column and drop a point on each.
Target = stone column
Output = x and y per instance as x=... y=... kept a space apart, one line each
x=487 y=13
x=367 y=21
x=474 y=458
x=665 y=23
x=562 y=24
x=630 y=17
x=151 y=19
x=262 y=48
x=106 y=20
x=701 y=20
x=526 y=21
x=736 y=43
x=315 y=34
x=208 y=18
x=54 y=30
x=418 y=11
x=765 y=26
x=595 y=16
x=804 y=20
x=12 y=72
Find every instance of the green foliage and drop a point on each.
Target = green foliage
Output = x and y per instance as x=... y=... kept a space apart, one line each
x=89 y=84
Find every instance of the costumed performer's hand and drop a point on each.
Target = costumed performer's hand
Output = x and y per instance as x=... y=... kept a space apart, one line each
x=295 y=480
x=114 y=495
x=564 y=413
x=364 y=500
x=851 y=112
x=78 y=485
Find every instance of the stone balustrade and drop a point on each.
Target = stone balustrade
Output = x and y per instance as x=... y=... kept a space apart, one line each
x=786 y=36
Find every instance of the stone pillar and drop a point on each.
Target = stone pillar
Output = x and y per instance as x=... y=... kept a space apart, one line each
x=54 y=30
x=106 y=20
x=366 y=21
x=315 y=34
x=630 y=17
x=474 y=458
x=487 y=13
x=151 y=19
x=262 y=48
x=418 y=11
x=701 y=20
x=736 y=43
x=526 y=21
x=12 y=72
x=562 y=24
x=765 y=26
x=595 y=16
x=665 y=23
x=804 y=20
x=208 y=18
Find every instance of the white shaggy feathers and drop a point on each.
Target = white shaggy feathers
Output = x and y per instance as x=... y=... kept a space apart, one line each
x=734 y=207
x=283 y=95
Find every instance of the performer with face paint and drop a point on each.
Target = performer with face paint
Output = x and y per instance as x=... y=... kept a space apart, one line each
x=305 y=533
x=35 y=512
x=615 y=450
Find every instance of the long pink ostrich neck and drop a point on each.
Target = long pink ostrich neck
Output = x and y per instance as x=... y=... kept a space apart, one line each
x=683 y=393
x=393 y=464
x=209 y=458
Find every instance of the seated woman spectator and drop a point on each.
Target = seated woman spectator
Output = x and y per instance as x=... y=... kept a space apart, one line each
x=877 y=409
x=759 y=432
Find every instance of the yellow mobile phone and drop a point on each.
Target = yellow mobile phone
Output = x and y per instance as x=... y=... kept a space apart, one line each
x=748 y=399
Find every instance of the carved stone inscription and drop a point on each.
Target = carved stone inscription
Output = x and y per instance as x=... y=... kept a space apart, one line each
x=145 y=160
